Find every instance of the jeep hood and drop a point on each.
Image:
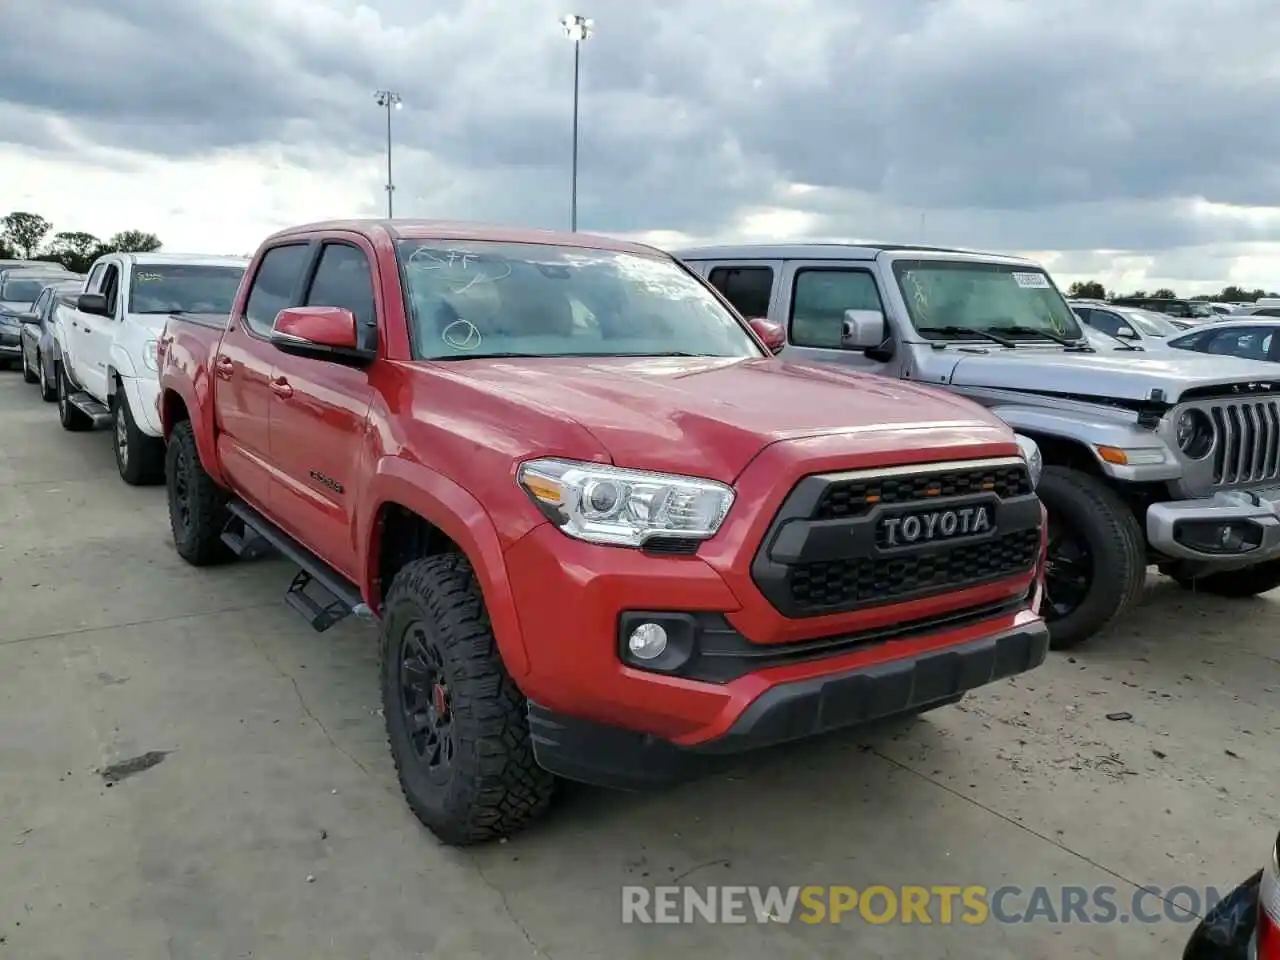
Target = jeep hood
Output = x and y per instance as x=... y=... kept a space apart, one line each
x=1119 y=375
x=710 y=416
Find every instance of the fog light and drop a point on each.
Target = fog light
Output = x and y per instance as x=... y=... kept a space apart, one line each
x=647 y=641
x=1226 y=537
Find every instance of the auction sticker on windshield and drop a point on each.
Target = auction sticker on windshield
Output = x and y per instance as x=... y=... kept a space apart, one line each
x=1030 y=281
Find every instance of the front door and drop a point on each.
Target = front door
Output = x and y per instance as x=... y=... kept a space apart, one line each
x=90 y=335
x=242 y=371
x=813 y=311
x=318 y=421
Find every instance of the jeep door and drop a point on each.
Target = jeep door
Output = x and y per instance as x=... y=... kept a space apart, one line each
x=816 y=295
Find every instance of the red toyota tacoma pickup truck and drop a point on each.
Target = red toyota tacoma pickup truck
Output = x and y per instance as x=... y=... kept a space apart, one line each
x=604 y=532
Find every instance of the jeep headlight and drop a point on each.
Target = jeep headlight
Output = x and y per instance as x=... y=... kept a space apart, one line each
x=610 y=505
x=1195 y=434
x=1031 y=454
x=151 y=356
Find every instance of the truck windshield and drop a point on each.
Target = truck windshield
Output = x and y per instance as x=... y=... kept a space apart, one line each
x=1151 y=323
x=184 y=287
x=1017 y=301
x=480 y=298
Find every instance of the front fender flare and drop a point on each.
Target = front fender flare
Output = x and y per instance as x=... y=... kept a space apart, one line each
x=1091 y=434
x=460 y=517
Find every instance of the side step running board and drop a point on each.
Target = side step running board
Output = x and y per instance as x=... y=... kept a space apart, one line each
x=321 y=594
x=99 y=413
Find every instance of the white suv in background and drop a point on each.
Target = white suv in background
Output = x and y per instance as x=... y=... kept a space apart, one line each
x=107 y=371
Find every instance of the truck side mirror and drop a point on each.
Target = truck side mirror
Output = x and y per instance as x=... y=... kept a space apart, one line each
x=94 y=304
x=321 y=333
x=1127 y=333
x=774 y=337
x=862 y=329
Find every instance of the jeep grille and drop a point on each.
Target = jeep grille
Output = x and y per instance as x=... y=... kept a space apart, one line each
x=1248 y=447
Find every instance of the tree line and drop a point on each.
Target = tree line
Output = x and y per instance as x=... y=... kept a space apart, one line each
x=26 y=236
x=1093 y=290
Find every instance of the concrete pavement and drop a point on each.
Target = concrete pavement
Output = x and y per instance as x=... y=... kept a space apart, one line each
x=264 y=819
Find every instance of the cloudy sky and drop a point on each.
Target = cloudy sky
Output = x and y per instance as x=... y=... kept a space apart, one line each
x=1135 y=141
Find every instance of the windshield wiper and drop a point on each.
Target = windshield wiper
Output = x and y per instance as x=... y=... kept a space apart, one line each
x=1078 y=346
x=955 y=331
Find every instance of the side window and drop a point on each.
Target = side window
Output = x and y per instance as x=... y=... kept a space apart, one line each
x=1177 y=310
x=747 y=288
x=111 y=288
x=37 y=308
x=1107 y=322
x=819 y=299
x=95 y=278
x=1268 y=312
x=343 y=279
x=274 y=285
x=1224 y=342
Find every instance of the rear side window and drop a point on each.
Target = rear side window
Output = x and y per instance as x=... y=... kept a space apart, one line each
x=819 y=300
x=747 y=288
x=343 y=279
x=274 y=285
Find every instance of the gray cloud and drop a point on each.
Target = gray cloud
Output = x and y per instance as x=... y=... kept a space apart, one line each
x=993 y=124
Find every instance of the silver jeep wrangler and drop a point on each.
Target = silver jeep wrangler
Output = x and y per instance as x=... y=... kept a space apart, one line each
x=1166 y=458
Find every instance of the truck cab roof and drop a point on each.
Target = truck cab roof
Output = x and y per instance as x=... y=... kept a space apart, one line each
x=826 y=250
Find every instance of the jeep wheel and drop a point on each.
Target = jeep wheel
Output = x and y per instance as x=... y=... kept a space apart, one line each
x=48 y=391
x=1097 y=560
x=457 y=725
x=28 y=375
x=70 y=417
x=197 y=505
x=1236 y=584
x=139 y=458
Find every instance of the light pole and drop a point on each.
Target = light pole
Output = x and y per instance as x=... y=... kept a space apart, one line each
x=577 y=29
x=391 y=101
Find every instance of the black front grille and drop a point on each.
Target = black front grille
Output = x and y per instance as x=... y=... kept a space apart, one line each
x=817 y=587
x=830 y=549
x=854 y=497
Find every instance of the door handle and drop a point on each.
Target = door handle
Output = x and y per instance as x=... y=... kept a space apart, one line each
x=280 y=387
x=224 y=367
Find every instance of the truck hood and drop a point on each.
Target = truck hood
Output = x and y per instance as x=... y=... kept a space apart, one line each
x=1116 y=375
x=710 y=416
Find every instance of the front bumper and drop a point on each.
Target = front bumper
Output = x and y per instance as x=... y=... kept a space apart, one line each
x=1179 y=528
x=584 y=750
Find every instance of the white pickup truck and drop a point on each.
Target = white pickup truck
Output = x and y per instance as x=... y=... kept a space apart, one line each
x=106 y=369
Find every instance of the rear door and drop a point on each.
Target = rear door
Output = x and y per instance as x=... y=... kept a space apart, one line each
x=750 y=285
x=243 y=367
x=318 y=418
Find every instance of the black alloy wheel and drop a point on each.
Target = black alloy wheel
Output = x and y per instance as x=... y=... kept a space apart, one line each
x=424 y=700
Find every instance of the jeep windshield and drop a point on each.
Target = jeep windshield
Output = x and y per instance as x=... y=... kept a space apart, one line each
x=959 y=299
x=184 y=287
x=471 y=299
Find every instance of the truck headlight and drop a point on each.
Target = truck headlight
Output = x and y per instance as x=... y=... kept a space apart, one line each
x=1195 y=434
x=151 y=355
x=1031 y=454
x=604 y=504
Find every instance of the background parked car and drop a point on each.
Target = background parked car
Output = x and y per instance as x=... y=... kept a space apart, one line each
x=1144 y=327
x=1254 y=310
x=1250 y=339
x=18 y=291
x=1195 y=311
x=37 y=332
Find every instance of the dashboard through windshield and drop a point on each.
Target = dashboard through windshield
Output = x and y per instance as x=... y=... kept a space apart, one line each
x=953 y=299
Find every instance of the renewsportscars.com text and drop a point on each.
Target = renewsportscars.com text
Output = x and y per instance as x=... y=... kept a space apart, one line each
x=970 y=905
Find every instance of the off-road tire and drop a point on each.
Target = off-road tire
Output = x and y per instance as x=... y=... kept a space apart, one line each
x=70 y=417
x=1116 y=542
x=48 y=391
x=494 y=786
x=198 y=538
x=28 y=375
x=141 y=461
x=1236 y=584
